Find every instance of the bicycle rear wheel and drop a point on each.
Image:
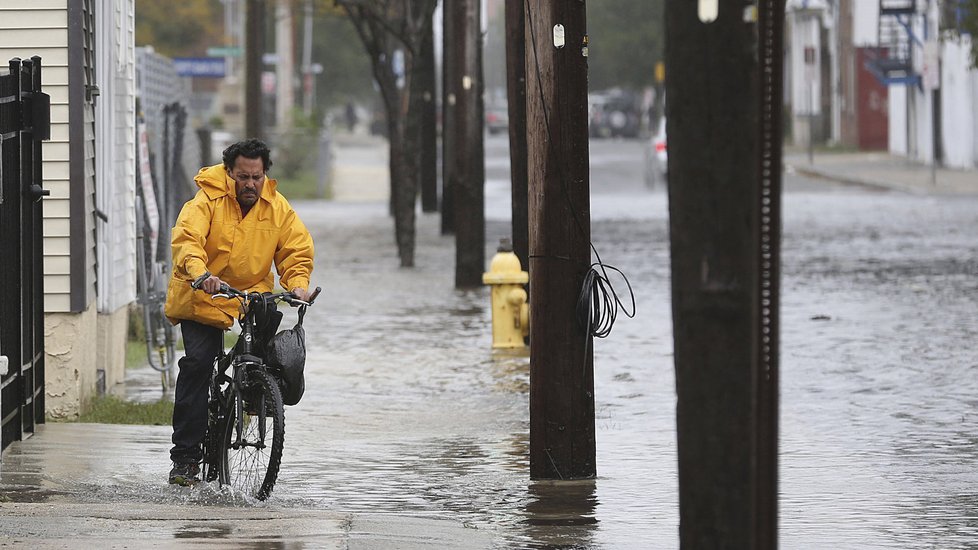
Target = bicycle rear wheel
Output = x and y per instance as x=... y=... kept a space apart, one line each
x=252 y=447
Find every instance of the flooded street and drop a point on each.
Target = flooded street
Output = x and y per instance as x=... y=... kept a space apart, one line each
x=408 y=414
x=408 y=411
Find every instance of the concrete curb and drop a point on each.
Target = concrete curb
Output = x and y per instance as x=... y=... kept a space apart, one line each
x=814 y=172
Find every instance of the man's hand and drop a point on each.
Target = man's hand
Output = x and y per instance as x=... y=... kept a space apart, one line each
x=301 y=293
x=211 y=285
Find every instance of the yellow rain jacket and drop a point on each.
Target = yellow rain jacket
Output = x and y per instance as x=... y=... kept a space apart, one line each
x=211 y=235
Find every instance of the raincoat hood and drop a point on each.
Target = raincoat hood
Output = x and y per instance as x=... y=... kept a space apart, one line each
x=215 y=182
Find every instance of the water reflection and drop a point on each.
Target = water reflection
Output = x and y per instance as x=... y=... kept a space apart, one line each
x=208 y=531
x=558 y=513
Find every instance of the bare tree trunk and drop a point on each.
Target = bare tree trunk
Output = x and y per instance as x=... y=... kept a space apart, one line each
x=388 y=31
x=404 y=186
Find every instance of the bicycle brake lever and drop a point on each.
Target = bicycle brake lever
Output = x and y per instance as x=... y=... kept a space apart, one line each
x=221 y=295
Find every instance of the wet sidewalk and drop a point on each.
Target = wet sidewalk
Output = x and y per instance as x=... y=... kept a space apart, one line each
x=69 y=487
x=882 y=170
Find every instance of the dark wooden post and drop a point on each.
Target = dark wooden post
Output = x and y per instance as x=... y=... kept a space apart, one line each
x=254 y=43
x=561 y=359
x=516 y=100
x=449 y=80
x=765 y=375
x=468 y=185
x=429 y=131
x=725 y=231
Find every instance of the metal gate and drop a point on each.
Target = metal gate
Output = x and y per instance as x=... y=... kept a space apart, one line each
x=24 y=122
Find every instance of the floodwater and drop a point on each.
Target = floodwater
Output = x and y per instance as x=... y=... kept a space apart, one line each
x=407 y=412
x=410 y=412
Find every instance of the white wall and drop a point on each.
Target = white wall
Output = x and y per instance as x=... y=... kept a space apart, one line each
x=805 y=79
x=115 y=153
x=897 y=134
x=959 y=94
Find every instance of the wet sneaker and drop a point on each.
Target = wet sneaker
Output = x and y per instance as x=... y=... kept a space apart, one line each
x=184 y=474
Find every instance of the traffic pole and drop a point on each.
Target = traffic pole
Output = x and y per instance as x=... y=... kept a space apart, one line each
x=468 y=186
x=562 y=443
x=724 y=93
x=450 y=77
x=254 y=43
x=428 y=169
x=516 y=102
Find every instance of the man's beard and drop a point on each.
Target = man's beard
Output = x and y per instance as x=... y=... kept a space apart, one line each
x=247 y=199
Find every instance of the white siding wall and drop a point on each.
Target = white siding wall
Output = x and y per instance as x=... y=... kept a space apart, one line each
x=115 y=153
x=958 y=97
x=40 y=27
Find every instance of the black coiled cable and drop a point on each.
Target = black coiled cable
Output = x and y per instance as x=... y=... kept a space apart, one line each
x=598 y=303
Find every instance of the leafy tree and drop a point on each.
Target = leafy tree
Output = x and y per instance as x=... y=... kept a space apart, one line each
x=626 y=39
x=178 y=29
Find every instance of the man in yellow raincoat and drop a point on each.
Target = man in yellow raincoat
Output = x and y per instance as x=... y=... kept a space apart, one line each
x=233 y=231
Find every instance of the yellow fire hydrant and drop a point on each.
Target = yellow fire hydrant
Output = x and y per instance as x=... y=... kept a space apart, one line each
x=510 y=312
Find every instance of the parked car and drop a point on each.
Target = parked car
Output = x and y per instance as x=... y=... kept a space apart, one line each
x=614 y=115
x=657 y=157
x=497 y=119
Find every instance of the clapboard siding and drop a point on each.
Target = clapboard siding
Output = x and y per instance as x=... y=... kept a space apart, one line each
x=40 y=27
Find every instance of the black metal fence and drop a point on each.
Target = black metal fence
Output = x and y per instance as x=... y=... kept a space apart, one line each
x=24 y=123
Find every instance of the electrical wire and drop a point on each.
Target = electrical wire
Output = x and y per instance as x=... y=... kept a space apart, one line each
x=598 y=302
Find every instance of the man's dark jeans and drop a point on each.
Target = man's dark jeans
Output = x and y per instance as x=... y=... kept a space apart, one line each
x=202 y=344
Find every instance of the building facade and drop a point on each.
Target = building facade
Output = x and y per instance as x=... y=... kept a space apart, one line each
x=86 y=47
x=889 y=75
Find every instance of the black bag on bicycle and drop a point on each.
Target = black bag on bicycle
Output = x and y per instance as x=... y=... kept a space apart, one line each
x=286 y=352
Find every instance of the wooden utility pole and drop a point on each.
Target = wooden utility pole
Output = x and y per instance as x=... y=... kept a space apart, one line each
x=724 y=96
x=516 y=101
x=429 y=132
x=254 y=43
x=468 y=185
x=561 y=358
x=450 y=72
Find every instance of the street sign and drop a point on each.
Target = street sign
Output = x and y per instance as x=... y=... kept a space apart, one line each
x=225 y=51
x=209 y=67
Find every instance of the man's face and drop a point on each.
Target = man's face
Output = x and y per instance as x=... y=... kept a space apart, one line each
x=249 y=178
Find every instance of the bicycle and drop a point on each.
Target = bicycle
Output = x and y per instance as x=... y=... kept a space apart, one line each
x=246 y=417
x=151 y=287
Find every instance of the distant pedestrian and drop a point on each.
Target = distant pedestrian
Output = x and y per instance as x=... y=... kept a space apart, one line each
x=218 y=240
x=351 y=116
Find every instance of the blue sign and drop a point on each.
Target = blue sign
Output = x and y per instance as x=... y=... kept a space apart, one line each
x=212 y=67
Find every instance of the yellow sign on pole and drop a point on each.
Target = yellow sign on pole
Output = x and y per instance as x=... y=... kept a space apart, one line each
x=660 y=72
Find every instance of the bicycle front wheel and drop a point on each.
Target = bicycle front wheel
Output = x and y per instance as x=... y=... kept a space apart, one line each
x=255 y=434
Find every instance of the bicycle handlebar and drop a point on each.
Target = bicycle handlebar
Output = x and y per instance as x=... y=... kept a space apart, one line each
x=227 y=291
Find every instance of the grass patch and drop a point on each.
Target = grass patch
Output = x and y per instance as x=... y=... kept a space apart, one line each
x=135 y=354
x=304 y=185
x=114 y=410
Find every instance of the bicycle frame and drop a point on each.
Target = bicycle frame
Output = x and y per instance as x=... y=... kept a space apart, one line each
x=232 y=399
